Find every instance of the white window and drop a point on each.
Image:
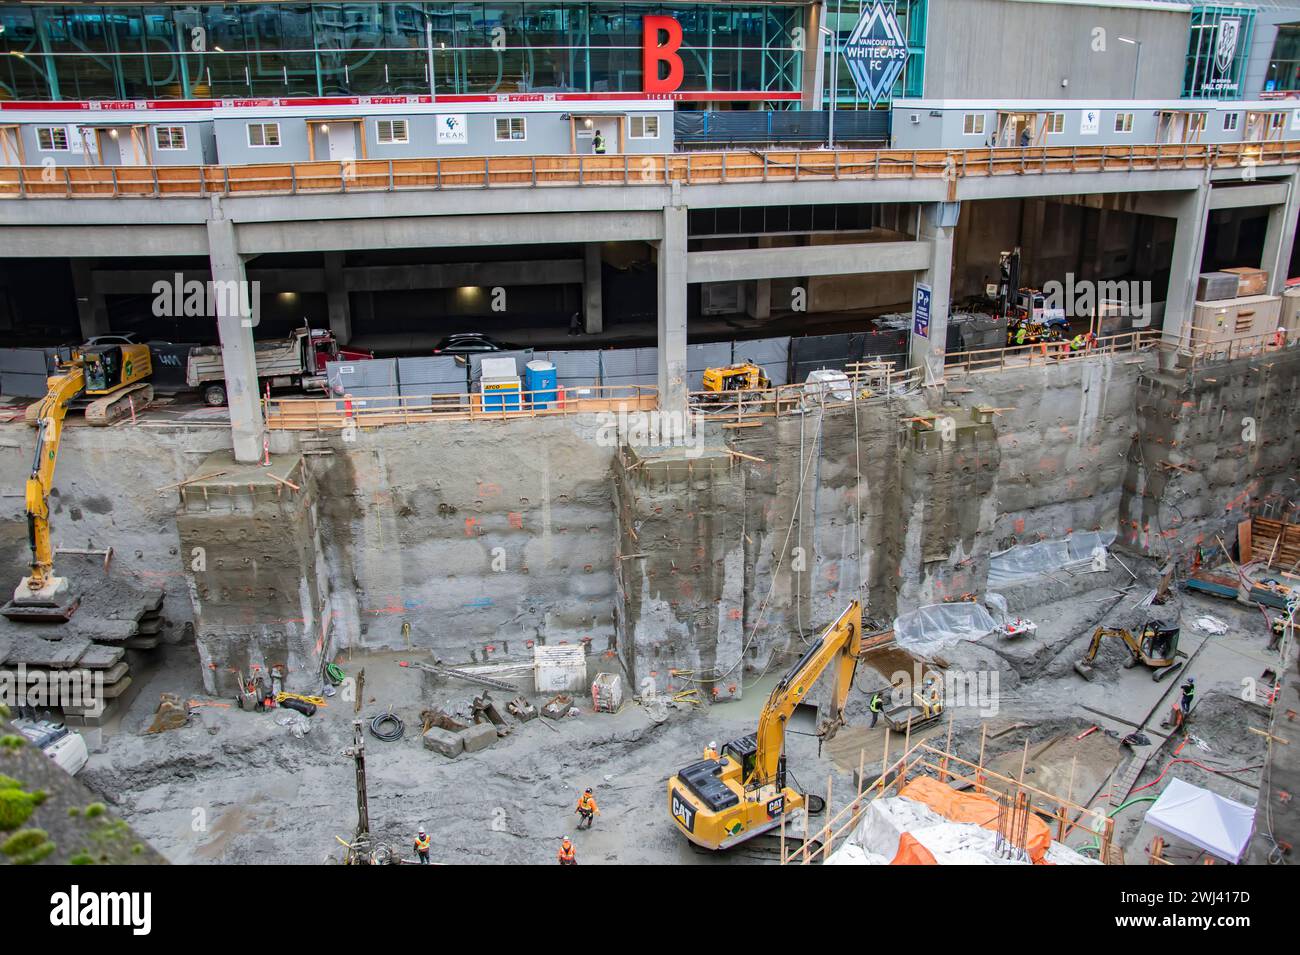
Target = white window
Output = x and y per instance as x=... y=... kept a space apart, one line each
x=1230 y=121
x=973 y=124
x=644 y=127
x=169 y=137
x=1277 y=121
x=390 y=131
x=1123 y=122
x=510 y=127
x=263 y=134
x=1196 y=122
x=1056 y=123
x=52 y=139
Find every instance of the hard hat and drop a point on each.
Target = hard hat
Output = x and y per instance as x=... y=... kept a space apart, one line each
x=588 y=790
x=566 y=841
x=713 y=744
x=421 y=830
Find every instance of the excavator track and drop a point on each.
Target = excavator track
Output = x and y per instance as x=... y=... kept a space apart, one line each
x=105 y=411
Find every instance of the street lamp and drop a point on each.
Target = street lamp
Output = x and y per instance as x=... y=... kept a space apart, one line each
x=1137 y=71
x=835 y=86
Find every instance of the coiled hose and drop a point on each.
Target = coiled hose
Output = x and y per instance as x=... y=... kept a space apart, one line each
x=390 y=736
x=334 y=673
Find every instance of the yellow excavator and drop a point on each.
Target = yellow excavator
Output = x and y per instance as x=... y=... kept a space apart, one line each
x=109 y=381
x=718 y=804
x=745 y=376
x=1157 y=648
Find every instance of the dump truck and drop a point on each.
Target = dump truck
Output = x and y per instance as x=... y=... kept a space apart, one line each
x=294 y=362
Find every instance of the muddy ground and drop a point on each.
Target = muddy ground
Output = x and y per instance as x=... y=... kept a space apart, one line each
x=239 y=787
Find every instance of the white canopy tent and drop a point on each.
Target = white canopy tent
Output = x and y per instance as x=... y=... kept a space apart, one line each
x=1217 y=825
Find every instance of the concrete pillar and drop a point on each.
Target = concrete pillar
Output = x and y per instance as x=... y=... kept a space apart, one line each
x=814 y=60
x=593 y=303
x=937 y=226
x=1191 y=212
x=91 y=307
x=1279 y=239
x=672 y=311
x=246 y=425
x=336 y=298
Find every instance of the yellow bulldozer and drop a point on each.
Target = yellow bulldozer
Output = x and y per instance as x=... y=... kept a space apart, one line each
x=720 y=803
x=1156 y=647
x=109 y=381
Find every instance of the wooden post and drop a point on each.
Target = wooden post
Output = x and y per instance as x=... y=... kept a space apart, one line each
x=830 y=836
x=979 y=772
x=884 y=760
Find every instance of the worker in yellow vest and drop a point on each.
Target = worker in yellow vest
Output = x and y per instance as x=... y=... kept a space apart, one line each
x=422 y=843
x=587 y=809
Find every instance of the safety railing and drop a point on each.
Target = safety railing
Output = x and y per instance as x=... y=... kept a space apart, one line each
x=1045 y=353
x=348 y=411
x=863 y=383
x=692 y=168
x=1200 y=352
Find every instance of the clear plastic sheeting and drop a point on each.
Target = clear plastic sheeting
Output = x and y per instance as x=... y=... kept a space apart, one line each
x=931 y=628
x=1027 y=561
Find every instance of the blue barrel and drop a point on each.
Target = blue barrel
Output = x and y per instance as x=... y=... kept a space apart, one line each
x=540 y=379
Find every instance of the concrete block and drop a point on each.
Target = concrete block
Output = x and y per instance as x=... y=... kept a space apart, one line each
x=443 y=741
x=479 y=736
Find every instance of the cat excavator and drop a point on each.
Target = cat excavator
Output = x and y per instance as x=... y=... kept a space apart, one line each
x=109 y=381
x=718 y=804
x=1156 y=648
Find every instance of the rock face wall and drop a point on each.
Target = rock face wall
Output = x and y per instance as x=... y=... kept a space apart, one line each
x=1211 y=446
x=488 y=538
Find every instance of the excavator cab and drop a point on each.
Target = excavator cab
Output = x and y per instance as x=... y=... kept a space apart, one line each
x=110 y=367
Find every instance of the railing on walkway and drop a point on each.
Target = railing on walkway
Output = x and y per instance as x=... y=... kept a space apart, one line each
x=863 y=383
x=691 y=168
x=1045 y=353
x=1204 y=353
x=336 y=414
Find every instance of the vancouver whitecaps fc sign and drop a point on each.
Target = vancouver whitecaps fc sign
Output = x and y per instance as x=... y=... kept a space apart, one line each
x=876 y=51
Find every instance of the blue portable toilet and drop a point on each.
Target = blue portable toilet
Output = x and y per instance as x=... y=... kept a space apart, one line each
x=540 y=380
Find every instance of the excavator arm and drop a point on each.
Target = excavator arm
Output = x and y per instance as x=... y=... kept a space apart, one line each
x=49 y=433
x=837 y=647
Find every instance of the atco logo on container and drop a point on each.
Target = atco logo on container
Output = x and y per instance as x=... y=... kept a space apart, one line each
x=876 y=52
x=452 y=129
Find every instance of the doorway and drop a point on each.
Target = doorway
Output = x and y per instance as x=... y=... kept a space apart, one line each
x=338 y=140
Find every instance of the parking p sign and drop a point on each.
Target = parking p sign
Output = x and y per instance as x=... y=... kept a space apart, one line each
x=921 y=311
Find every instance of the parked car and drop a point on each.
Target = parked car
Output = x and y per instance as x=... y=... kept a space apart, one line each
x=471 y=343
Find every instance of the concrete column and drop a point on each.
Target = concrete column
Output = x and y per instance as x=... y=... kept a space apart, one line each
x=1191 y=212
x=91 y=307
x=236 y=331
x=814 y=59
x=1279 y=239
x=336 y=298
x=937 y=226
x=593 y=303
x=672 y=311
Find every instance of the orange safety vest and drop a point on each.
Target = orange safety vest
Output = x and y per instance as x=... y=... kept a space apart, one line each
x=710 y=753
x=566 y=853
x=422 y=843
x=586 y=803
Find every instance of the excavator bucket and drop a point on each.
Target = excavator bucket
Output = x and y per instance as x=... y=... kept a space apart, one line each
x=1085 y=671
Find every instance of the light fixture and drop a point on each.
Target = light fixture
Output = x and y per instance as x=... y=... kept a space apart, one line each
x=324 y=127
x=112 y=133
x=587 y=123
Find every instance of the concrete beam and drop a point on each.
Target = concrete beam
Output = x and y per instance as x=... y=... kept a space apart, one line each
x=1077 y=183
x=1246 y=197
x=408 y=233
x=741 y=265
x=672 y=274
x=57 y=241
x=237 y=355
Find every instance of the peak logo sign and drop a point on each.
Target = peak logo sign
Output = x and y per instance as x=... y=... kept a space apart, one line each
x=76 y=908
x=876 y=52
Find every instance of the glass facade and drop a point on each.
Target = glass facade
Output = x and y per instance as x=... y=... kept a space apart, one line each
x=842 y=16
x=1284 y=66
x=1217 y=51
x=82 y=52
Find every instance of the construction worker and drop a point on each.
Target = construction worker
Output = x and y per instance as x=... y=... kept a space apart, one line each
x=422 y=844
x=710 y=752
x=587 y=809
x=566 y=855
x=1078 y=343
x=598 y=144
x=1020 y=334
x=876 y=705
x=1279 y=631
x=1189 y=696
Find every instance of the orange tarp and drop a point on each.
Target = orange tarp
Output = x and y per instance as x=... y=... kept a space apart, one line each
x=911 y=852
x=973 y=808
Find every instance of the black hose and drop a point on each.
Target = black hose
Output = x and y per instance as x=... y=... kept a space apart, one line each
x=303 y=707
x=393 y=735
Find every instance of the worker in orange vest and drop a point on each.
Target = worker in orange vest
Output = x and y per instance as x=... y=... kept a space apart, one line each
x=566 y=855
x=711 y=751
x=422 y=843
x=587 y=809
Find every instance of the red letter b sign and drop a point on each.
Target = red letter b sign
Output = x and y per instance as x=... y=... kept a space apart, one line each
x=654 y=53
